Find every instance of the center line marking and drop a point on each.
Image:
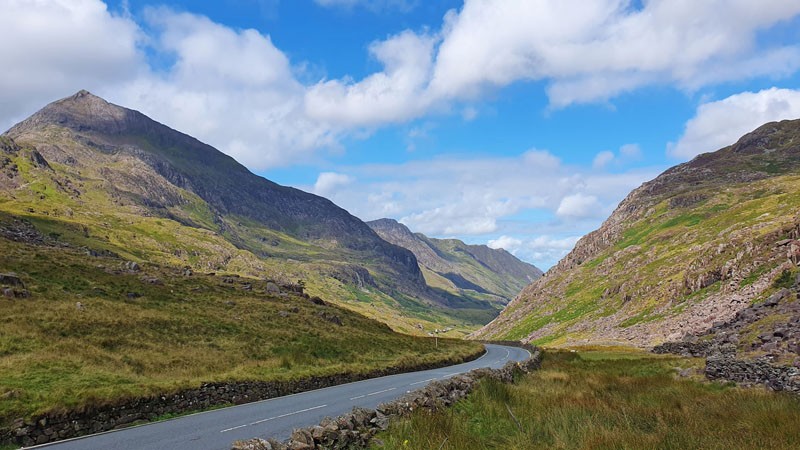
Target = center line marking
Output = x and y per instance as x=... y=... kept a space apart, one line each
x=423 y=381
x=273 y=418
x=374 y=393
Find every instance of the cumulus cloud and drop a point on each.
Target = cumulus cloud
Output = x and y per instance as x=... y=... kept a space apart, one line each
x=253 y=111
x=507 y=243
x=327 y=182
x=579 y=205
x=720 y=123
x=502 y=199
x=584 y=51
x=602 y=159
x=627 y=153
x=393 y=95
x=544 y=250
x=45 y=52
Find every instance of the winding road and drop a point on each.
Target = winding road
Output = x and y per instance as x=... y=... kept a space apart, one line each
x=278 y=416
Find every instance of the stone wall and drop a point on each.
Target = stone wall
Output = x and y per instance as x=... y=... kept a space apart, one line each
x=754 y=371
x=55 y=426
x=357 y=428
x=696 y=349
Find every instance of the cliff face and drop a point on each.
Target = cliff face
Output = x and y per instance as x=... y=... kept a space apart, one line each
x=457 y=267
x=683 y=251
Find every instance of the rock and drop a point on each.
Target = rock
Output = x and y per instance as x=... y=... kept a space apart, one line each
x=252 y=444
x=317 y=301
x=283 y=313
x=775 y=298
x=132 y=266
x=8 y=293
x=187 y=271
x=80 y=306
x=133 y=295
x=273 y=288
x=301 y=439
x=332 y=318
x=11 y=279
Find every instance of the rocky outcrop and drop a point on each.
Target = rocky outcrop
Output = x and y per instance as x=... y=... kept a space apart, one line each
x=60 y=425
x=12 y=286
x=754 y=372
x=357 y=428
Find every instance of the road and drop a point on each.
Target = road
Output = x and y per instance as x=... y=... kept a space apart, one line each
x=216 y=430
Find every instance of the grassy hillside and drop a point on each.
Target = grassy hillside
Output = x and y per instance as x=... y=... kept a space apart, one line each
x=606 y=400
x=93 y=331
x=684 y=251
x=111 y=179
x=456 y=269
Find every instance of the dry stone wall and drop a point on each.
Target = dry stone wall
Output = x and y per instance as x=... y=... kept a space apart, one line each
x=56 y=426
x=358 y=428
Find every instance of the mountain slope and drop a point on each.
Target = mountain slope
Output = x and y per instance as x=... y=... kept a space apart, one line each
x=690 y=248
x=139 y=189
x=458 y=267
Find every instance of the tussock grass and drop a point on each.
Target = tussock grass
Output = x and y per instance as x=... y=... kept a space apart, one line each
x=607 y=400
x=175 y=333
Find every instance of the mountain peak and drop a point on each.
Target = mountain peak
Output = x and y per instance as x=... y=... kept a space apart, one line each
x=82 y=111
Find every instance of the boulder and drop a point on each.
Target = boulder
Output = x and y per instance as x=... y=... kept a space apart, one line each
x=273 y=288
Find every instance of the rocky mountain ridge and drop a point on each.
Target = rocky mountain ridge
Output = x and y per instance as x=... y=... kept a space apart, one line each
x=458 y=266
x=690 y=248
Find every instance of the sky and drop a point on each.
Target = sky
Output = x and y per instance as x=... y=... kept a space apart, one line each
x=520 y=124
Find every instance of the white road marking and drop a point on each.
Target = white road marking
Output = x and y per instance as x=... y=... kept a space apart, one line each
x=374 y=393
x=273 y=418
x=451 y=375
x=423 y=381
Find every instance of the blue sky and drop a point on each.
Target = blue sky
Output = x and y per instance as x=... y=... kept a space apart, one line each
x=517 y=123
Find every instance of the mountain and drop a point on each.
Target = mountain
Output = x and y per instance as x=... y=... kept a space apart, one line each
x=137 y=188
x=683 y=252
x=459 y=268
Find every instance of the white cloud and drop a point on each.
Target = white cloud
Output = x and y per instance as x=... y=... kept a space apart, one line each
x=55 y=48
x=721 y=123
x=579 y=206
x=523 y=197
x=627 y=153
x=327 y=182
x=602 y=159
x=507 y=243
x=544 y=250
x=393 y=95
x=586 y=51
x=254 y=111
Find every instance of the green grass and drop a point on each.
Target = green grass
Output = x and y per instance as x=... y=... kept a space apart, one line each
x=176 y=334
x=648 y=273
x=606 y=400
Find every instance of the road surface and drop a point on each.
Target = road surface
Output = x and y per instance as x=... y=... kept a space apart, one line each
x=276 y=417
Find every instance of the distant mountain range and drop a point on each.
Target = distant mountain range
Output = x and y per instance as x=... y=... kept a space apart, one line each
x=461 y=269
x=113 y=180
x=691 y=248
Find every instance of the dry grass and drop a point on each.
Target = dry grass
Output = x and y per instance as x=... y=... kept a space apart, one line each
x=607 y=401
x=177 y=333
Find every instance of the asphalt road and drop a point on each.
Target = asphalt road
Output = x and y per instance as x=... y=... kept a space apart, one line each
x=216 y=430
